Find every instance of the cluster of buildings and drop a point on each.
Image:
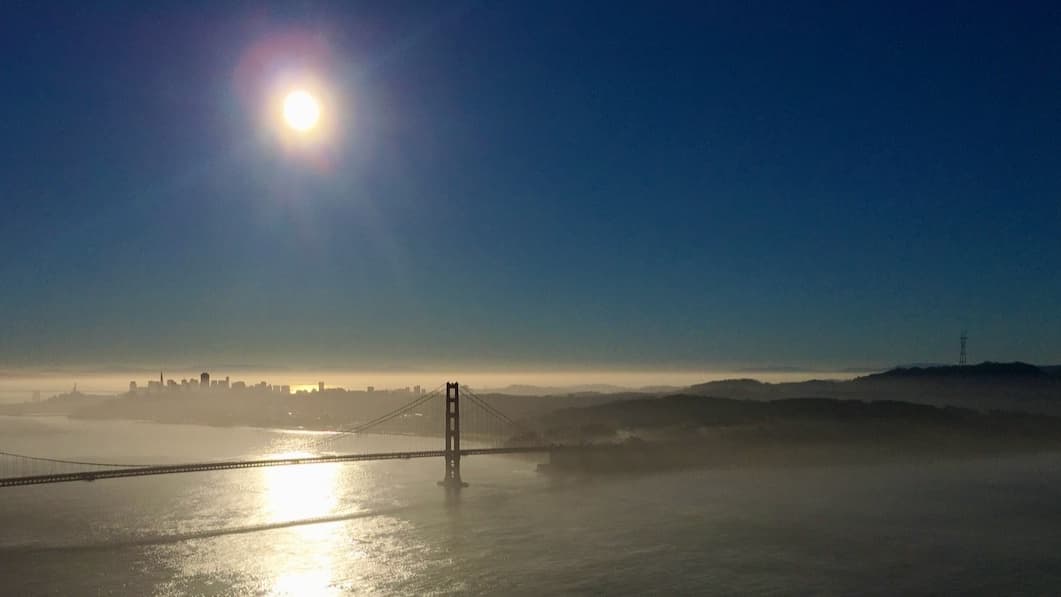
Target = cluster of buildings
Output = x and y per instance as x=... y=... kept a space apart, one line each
x=206 y=384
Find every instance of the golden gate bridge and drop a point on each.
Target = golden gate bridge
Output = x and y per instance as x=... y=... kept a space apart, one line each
x=483 y=423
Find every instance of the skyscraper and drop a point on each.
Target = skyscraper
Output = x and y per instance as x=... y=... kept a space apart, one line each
x=204 y=380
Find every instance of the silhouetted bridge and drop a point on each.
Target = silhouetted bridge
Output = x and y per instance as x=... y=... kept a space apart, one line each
x=20 y=470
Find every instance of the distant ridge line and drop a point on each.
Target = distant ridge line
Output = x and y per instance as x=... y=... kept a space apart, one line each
x=981 y=370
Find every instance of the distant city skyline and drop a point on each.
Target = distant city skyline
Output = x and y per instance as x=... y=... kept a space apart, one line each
x=205 y=385
x=586 y=186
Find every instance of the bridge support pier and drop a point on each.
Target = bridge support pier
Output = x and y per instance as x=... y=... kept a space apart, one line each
x=452 y=478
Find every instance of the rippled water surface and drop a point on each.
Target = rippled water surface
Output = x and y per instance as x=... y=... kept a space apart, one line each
x=983 y=527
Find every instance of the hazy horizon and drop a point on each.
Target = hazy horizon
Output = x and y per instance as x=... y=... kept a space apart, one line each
x=20 y=387
x=19 y=384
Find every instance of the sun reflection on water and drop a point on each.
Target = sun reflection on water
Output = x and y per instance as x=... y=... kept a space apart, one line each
x=305 y=564
x=303 y=491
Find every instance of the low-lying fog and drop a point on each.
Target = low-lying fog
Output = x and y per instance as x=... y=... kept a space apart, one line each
x=19 y=386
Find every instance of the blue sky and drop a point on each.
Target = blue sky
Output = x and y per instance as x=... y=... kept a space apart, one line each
x=533 y=184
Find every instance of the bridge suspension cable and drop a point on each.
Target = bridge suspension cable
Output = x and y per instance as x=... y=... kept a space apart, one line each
x=13 y=464
x=362 y=427
x=489 y=408
x=77 y=462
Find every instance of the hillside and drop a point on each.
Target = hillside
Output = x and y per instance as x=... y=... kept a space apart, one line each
x=684 y=430
x=684 y=413
x=1007 y=386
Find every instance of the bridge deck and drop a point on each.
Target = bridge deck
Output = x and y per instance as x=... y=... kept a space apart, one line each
x=193 y=467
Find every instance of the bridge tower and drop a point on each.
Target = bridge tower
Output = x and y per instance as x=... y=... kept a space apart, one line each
x=452 y=479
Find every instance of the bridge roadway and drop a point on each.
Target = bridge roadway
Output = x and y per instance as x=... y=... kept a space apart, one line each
x=193 y=467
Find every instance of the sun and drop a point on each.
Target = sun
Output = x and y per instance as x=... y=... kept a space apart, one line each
x=302 y=111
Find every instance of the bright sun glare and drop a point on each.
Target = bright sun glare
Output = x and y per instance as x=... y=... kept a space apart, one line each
x=301 y=111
